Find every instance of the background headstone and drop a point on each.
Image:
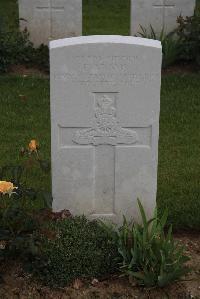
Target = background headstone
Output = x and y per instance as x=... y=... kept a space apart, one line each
x=159 y=14
x=50 y=19
x=105 y=100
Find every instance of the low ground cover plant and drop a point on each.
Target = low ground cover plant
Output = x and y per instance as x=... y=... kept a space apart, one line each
x=77 y=248
x=73 y=248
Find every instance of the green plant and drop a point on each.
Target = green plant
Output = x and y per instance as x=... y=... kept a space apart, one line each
x=36 y=57
x=13 y=45
x=18 y=174
x=41 y=58
x=19 y=204
x=73 y=248
x=188 y=32
x=150 y=256
x=171 y=45
x=16 y=48
x=16 y=227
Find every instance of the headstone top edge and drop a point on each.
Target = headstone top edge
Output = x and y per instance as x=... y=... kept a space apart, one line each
x=112 y=39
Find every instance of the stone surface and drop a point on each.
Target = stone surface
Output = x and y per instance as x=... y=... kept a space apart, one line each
x=159 y=13
x=50 y=19
x=105 y=99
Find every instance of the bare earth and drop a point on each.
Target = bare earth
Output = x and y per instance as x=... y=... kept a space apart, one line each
x=19 y=285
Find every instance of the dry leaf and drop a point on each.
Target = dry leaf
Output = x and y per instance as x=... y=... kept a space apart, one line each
x=61 y=215
x=77 y=284
x=95 y=282
x=23 y=97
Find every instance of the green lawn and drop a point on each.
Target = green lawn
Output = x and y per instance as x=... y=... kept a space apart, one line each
x=8 y=12
x=24 y=119
x=179 y=148
x=198 y=3
x=106 y=17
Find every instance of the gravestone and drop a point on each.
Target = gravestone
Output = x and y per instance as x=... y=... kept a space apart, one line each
x=50 y=19
x=105 y=99
x=159 y=14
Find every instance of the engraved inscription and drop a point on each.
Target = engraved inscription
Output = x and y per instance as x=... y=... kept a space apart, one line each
x=164 y=4
x=111 y=78
x=110 y=70
x=106 y=128
x=50 y=7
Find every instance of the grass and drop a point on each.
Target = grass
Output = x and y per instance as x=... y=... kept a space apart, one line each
x=106 y=17
x=198 y=4
x=179 y=148
x=25 y=115
x=8 y=13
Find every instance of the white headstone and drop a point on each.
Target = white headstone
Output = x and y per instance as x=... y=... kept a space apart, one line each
x=105 y=100
x=50 y=19
x=159 y=14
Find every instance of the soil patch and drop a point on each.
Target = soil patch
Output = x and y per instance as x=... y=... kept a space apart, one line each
x=181 y=68
x=23 y=70
x=17 y=284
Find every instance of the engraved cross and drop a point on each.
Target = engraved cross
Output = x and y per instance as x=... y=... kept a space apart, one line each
x=105 y=134
x=164 y=4
x=51 y=9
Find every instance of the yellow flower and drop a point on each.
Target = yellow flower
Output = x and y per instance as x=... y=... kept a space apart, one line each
x=33 y=146
x=3 y=244
x=7 y=187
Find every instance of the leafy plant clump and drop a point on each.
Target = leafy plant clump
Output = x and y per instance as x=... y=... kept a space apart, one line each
x=73 y=248
x=171 y=45
x=16 y=48
x=189 y=34
x=13 y=45
x=150 y=256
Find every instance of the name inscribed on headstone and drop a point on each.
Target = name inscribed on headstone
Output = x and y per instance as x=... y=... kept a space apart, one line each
x=101 y=69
